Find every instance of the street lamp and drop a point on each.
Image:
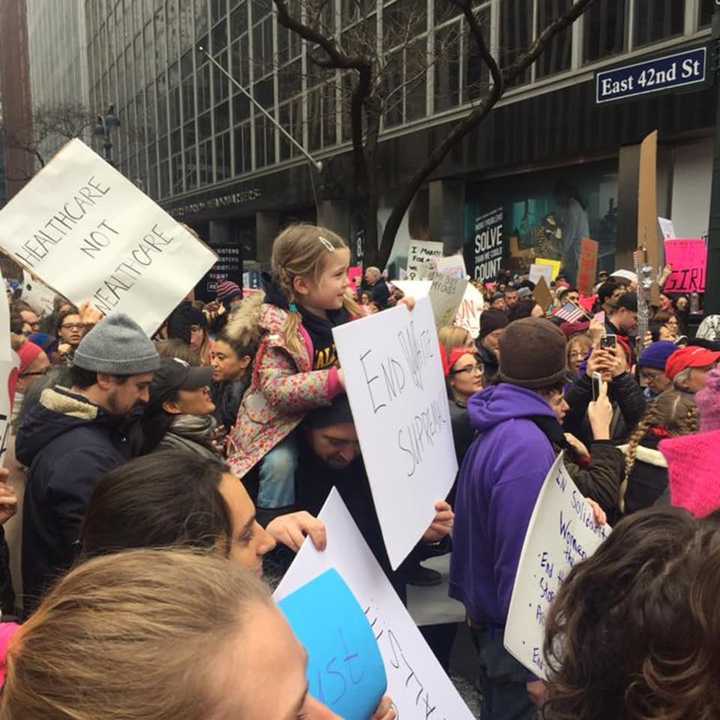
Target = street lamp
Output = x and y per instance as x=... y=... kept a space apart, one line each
x=105 y=124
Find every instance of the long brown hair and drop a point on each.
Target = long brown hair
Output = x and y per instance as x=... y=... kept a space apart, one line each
x=673 y=411
x=301 y=251
x=621 y=640
x=132 y=635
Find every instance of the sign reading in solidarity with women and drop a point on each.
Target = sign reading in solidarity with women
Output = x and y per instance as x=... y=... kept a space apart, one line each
x=90 y=234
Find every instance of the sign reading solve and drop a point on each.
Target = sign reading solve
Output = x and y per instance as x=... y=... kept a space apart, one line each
x=662 y=73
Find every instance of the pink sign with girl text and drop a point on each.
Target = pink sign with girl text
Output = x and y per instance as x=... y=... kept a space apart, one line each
x=688 y=259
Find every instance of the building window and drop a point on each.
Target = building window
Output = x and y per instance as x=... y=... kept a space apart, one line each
x=707 y=8
x=191 y=168
x=264 y=141
x=557 y=56
x=604 y=29
x=515 y=33
x=243 y=154
x=222 y=157
x=658 y=19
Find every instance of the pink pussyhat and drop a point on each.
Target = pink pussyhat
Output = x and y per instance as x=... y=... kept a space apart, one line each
x=693 y=462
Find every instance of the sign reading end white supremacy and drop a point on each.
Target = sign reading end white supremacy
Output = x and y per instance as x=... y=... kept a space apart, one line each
x=88 y=233
x=396 y=390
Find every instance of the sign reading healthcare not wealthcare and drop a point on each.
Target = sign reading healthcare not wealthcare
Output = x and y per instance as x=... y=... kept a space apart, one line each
x=396 y=389
x=667 y=72
x=87 y=232
x=416 y=682
x=562 y=532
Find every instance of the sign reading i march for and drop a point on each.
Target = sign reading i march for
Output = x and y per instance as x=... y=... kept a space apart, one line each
x=663 y=73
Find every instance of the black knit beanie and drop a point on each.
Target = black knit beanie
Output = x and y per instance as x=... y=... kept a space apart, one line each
x=533 y=354
x=492 y=320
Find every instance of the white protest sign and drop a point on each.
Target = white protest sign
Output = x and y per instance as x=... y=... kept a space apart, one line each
x=396 y=389
x=417 y=683
x=561 y=533
x=446 y=294
x=421 y=256
x=39 y=296
x=540 y=271
x=667 y=228
x=88 y=232
x=9 y=362
x=414 y=288
x=453 y=265
x=471 y=307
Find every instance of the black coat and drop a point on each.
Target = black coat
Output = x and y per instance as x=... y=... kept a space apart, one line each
x=227 y=397
x=380 y=293
x=68 y=444
x=648 y=480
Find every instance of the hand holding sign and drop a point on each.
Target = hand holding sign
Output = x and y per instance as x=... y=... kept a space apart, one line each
x=345 y=670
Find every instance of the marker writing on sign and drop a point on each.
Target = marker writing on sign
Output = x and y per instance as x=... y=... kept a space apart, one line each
x=61 y=223
x=332 y=680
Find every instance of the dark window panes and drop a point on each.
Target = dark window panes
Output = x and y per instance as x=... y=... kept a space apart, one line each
x=354 y=10
x=222 y=117
x=416 y=85
x=189 y=136
x=242 y=149
x=329 y=116
x=706 y=12
x=177 y=175
x=218 y=10
x=241 y=108
x=315 y=119
x=153 y=182
x=203 y=88
x=361 y=38
x=220 y=80
x=515 y=33
x=188 y=98
x=174 y=75
x=205 y=162
x=447 y=67
x=263 y=93
x=204 y=127
x=604 y=29
x=290 y=80
x=163 y=147
x=186 y=64
x=191 y=168
x=658 y=19
x=476 y=78
x=164 y=178
x=201 y=16
x=219 y=37
x=394 y=71
x=238 y=21
x=557 y=56
x=239 y=62
x=222 y=157
x=403 y=20
x=444 y=10
x=291 y=120
x=176 y=141
x=174 y=108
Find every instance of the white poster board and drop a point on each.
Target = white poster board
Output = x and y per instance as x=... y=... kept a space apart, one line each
x=417 y=683
x=451 y=265
x=9 y=362
x=396 y=389
x=540 y=271
x=471 y=307
x=667 y=228
x=36 y=294
x=421 y=258
x=89 y=233
x=561 y=533
x=446 y=294
x=414 y=288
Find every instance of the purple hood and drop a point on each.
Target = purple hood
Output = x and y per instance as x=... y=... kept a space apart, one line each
x=503 y=402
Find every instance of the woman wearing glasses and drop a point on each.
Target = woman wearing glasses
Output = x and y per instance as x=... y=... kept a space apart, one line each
x=69 y=331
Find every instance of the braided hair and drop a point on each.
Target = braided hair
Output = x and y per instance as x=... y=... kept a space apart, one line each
x=673 y=411
x=301 y=251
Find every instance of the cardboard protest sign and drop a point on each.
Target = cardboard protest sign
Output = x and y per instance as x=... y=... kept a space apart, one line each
x=666 y=228
x=446 y=294
x=561 y=533
x=345 y=670
x=89 y=233
x=554 y=264
x=688 y=259
x=471 y=307
x=542 y=295
x=452 y=265
x=488 y=246
x=396 y=389
x=421 y=255
x=417 y=683
x=587 y=266
x=540 y=271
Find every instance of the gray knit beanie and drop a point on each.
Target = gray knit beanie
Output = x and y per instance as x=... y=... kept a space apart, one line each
x=117 y=346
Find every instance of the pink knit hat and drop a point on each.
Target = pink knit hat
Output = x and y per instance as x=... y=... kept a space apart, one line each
x=693 y=461
x=708 y=402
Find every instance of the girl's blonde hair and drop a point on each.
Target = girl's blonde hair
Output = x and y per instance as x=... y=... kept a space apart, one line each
x=454 y=336
x=673 y=411
x=133 y=635
x=302 y=251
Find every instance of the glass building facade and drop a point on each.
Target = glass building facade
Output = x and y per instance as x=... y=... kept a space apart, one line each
x=189 y=128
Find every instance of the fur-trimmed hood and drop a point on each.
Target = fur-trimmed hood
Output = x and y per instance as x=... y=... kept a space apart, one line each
x=58 y=412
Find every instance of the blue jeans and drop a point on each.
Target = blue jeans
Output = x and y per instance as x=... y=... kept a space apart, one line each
x=277 y=475
x=503 y=680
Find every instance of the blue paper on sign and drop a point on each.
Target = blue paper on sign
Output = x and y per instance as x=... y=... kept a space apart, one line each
x=345 y=669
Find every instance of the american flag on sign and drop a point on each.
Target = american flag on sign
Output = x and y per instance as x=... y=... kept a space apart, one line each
x=570 y=312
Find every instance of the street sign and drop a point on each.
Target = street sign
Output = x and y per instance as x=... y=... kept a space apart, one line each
x=667 y=72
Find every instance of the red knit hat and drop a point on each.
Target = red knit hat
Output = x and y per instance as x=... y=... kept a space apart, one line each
x=449 y=360
x=692 y=466
x=690 y=357
x=27 y=353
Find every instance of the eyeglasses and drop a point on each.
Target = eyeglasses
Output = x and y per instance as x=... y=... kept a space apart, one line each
x=477 y=369
x=72 y=326
x=34 y=374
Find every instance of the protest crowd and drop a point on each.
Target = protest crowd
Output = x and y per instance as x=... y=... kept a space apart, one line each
x=154 y=488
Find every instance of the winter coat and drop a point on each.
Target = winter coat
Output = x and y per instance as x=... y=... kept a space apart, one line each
x=380 y=293
x=193 y=434
x=625 y=394
x=497 y=487
x=227 y=397
x=463 y=433
x=649 y=477
x=68 y=444
x=283 y=388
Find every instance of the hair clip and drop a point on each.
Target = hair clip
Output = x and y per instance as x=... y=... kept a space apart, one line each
x=293 y=308
x=326 y=243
